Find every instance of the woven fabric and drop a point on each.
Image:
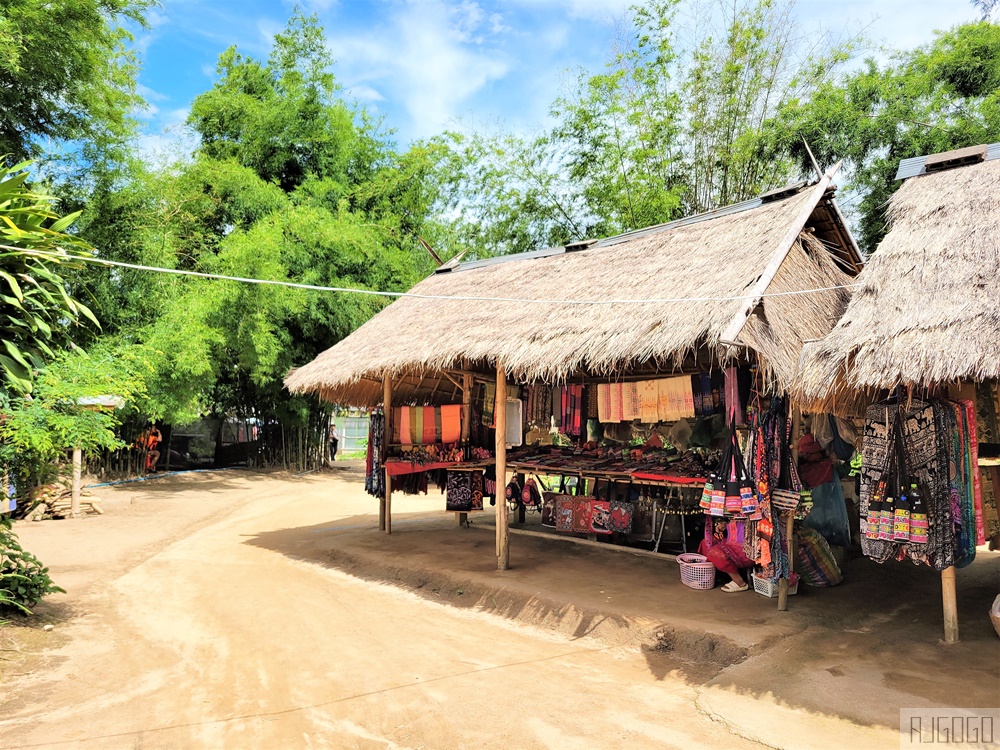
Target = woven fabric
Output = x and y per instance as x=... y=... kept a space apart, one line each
x=620 y=516
x=458 y=495
x=582 y=514
x=565 y=505
x=814 y=561
x=600 y=517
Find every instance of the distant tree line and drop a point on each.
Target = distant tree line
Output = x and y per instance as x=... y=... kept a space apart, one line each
x=701 y=104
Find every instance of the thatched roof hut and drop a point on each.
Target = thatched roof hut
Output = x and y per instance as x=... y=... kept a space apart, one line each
x=655 y=298
x=927 y=308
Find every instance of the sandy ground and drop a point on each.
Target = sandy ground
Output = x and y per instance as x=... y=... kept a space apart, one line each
x=181 y=629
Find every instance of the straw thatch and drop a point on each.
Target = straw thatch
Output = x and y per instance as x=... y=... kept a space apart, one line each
x=549 y=341
x=928 y=307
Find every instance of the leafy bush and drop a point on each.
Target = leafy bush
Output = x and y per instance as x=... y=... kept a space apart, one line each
x=23 y=578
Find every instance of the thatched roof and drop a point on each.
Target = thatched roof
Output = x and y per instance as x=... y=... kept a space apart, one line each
x=718 y=255
x=927 y=310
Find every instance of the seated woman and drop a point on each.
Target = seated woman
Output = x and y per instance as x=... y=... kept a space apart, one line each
x=726 y=554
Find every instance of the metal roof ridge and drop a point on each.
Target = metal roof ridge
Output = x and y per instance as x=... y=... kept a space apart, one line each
x=716 y=213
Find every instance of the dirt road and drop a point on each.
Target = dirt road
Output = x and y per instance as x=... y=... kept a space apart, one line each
x=189 y=636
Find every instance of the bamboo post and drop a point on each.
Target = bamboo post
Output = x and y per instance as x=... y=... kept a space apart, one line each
x=503 y=534
x=385 y=504
x=77 y=482
x=463 y=518
x=950 y=604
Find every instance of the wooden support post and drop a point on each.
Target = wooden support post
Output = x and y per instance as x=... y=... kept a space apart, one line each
x=503 y=533
x=950 y=602
x=784 y=583
x=77 y=482
x=463 y=518
x=385 y=503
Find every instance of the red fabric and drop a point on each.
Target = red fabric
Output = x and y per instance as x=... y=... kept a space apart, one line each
x=667 y=478
x=429 y=431
x=725 y=556
x=395 y=468
x=815 y=467
x=451 y=423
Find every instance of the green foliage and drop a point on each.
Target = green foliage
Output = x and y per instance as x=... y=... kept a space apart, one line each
x=37 y=431
x=279 y=118
x=67 y=74
x=23 y=578
x=36 y=311
x=673 y=126
x=937 y=97
x=289 y=183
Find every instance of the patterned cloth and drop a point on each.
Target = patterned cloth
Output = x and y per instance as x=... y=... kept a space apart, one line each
x=582 y=514
x=620 y=518
x=988 y=431
x=600 y=517
x=927 y=463
x=374 y=475
x=565 y=505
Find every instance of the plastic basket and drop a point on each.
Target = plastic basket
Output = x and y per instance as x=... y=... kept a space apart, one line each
x=769 y=588
x=696 y=571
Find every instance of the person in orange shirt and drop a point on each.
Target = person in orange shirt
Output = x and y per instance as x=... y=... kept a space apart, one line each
x=151 y=441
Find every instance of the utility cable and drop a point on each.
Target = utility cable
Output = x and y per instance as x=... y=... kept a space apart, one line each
x=457 y=298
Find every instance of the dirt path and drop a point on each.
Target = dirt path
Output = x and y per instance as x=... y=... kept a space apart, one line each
x=199 y=639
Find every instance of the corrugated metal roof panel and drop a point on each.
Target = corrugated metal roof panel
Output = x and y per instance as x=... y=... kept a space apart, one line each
x=544 y=253
x=915 y=166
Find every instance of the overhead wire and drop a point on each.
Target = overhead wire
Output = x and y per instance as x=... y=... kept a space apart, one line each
x=412 y=295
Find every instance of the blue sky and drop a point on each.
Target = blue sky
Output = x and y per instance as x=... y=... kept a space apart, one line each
x=432 y=64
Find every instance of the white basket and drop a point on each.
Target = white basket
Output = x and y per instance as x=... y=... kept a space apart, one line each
x=769 y=588
x=696 y=571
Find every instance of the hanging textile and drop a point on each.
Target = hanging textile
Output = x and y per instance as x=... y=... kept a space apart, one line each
x=650 y=395
x=401 y=417
x=549 y=509
x=431 y=425
x=600 y=517
x=665 y=403
x=687 y=397
x=375 y=456
x=458 y=495
x=489 y=403
x=451 y=423
x=620 y=516
x=582 y=514
x=565 y=505
x=593 y=409
x=617 y=402
x=705 y=389
x=988 y=431
x=926 y=431
x=973 y=463
x=604 y=402
x=631 y=402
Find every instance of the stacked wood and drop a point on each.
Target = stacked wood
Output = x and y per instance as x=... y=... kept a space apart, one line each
x=56 y=501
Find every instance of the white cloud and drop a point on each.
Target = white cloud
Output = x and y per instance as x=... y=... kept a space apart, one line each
x=364 y=93
x=173 y=141
x=429 y=55
x=591 y=10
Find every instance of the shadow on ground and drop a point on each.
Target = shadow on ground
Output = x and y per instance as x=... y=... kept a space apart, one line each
x=861 y=650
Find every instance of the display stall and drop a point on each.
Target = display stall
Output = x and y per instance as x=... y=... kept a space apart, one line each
x=607 y=385
x=916 y=356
